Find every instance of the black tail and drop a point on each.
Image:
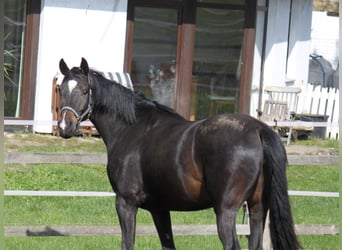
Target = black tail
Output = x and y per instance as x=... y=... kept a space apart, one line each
x=283 y=235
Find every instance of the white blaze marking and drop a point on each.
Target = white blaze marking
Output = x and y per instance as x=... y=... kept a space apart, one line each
x=62 y=124
x=72 y=84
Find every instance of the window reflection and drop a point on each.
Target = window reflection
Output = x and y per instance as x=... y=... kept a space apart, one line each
x=14 y=26
x=154 y=52
x=216 y=66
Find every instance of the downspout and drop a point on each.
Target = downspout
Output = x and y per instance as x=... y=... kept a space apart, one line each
x=263 y=55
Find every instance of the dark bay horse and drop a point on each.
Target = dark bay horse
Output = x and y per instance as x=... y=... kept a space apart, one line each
x=160 y=162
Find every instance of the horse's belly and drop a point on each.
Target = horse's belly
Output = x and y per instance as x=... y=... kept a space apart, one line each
x=171 y=204
x=182 y=196
x=191 y=206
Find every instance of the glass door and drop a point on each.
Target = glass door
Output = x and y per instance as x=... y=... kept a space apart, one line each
x=217 y=61
x=153 y=67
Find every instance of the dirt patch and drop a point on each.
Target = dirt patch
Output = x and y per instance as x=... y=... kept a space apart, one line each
x=309 y=150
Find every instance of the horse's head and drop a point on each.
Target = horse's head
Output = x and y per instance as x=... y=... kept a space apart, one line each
x=75 y=95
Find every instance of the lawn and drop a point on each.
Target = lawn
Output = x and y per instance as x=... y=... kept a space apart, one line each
x=48 y=211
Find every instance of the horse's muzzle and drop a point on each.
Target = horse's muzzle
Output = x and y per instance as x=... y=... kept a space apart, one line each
x=68 y=128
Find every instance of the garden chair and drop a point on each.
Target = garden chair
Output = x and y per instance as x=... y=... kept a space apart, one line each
x=281 y=105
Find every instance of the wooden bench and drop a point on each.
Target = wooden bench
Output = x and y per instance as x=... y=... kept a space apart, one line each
x=281 y=105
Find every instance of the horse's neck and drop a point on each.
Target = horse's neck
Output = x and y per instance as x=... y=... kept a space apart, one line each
x=108 y=126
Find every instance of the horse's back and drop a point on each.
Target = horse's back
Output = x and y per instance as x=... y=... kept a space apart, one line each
x=229 y=130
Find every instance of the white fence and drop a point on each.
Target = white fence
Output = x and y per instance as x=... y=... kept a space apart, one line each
x=54 y=193
x=316 y=100
x=315 y=106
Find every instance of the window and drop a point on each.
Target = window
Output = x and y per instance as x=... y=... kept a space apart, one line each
x=217 y=60
x=154 y=52
x=189 y=54
x=14 y=28
x=21 y=26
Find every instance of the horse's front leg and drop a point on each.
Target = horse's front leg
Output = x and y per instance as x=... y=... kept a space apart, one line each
x=162 y=221
x=127 y=216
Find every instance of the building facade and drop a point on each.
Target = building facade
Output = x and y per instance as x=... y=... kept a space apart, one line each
x=198 y=56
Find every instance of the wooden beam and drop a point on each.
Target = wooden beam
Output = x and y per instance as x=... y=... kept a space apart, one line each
x=247 y=57
x=82 y=158
x=30 y=59
x=129 y=38
x=143 y=230
x=185 y=54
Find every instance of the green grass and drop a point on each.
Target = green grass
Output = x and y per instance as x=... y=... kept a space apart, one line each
x=104 y=243
x=76 y=177
x=49 y=211
x=317 y=178
x=325 y=242
x=314 y=210
x=314 y=141
x=46 y=143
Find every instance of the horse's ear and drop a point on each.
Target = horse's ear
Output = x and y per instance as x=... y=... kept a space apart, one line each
x=84 y=66
x=63 y=67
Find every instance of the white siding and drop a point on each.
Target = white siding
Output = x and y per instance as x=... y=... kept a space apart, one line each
x=276 y=42
x=93 y=29
x=299 y=42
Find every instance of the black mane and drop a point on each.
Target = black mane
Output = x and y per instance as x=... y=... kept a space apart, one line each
x=112 y=97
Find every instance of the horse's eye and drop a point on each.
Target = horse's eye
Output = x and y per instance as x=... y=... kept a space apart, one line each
x=85 y=91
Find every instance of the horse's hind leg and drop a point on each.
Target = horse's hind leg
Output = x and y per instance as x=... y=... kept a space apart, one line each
x=162 y=221
x=226 y=227
x=257 y=214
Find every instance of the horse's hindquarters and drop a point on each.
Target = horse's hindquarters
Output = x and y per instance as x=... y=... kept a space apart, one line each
x=230 y=152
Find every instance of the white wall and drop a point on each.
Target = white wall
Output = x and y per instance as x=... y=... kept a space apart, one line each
x=71 y=29
x=287 y=42
x=299 y=42
x=276 y=42
x=325 y=36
